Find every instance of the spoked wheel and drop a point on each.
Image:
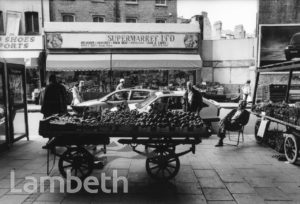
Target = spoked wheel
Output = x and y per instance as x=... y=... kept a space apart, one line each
x=164 y=165
x=291 y=148
x=78 y=161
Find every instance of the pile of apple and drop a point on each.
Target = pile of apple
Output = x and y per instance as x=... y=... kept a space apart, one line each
x=170 y=120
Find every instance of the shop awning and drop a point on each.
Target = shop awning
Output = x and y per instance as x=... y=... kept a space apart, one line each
x=156 y=61
x=82 y=62
x=28 y=58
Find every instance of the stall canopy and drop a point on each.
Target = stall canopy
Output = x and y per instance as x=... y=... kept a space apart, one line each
x=82 y=62
x=156 y=61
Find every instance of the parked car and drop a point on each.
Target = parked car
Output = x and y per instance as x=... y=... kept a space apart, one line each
x=209 y=113
x=293 y=49
x=132 y=96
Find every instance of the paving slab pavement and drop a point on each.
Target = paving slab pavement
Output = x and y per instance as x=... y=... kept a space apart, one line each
x=226 y=175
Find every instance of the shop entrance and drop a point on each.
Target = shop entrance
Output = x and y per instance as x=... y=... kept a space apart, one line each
x=13 y=105
x=17 y=101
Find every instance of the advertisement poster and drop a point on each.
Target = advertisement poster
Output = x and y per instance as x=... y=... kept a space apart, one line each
x=16 y=88
x=278 y=43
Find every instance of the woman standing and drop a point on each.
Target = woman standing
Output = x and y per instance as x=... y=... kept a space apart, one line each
x=76 y=95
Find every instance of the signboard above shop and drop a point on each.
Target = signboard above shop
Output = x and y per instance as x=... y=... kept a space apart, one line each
x=24 y=42
x=121 y=40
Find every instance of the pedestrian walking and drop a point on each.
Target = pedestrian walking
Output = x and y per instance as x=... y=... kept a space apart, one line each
x=55 y=98
x=246 y=89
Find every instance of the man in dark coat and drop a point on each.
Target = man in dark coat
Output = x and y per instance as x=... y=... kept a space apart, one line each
x=55 y=98
x=192 y=99
x=233 y=121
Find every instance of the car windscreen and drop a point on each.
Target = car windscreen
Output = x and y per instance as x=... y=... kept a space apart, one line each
x=146 y=101
x=295 y=39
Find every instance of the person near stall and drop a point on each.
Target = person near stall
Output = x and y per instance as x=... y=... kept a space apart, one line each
x=55 y=98
x=81 y=89
x=42 y=95
x=121 y=84
x=246 y=89
x=233 y=121
x=76 y=95
x=192 y=99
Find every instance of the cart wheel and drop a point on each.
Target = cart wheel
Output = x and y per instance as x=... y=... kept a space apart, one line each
x=78 y=161
x=164 y=165
x=291 y=149
x=259 y=140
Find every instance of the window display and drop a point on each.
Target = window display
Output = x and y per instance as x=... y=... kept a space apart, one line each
x=95 y=84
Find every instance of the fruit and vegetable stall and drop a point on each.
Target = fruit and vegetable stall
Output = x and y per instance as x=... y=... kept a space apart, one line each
x=158 y=132
x=278 y=114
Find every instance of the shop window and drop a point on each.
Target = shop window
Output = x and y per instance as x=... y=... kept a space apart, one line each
x=160 y=21
x=32 y=22
x=139 y=95
x=131 y=1
x=160 y=2
x=131 y=20
x=98 y=19
x=68 y=18
x=1 y=23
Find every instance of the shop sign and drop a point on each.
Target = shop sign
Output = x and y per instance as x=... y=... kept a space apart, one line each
x=21 y=42
x=121 y=40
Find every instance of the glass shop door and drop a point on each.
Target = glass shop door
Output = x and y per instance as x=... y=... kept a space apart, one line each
x=17 y=102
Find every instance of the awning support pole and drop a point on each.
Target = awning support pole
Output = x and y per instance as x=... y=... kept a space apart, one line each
x=255 y=88
x=110 y=74
x=287 y=94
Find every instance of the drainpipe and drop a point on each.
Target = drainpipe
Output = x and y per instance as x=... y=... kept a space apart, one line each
x=42 y=11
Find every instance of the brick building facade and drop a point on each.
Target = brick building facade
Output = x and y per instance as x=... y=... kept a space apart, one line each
x=140 y=11
x=279 y=11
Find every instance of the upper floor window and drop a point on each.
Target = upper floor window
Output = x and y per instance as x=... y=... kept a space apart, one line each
x=1 y=23
x=131 y=1
x=68 y=18
x=98 y=19
x=160 y=2
x=131 y=20
x=160 y=21
x=32 y=22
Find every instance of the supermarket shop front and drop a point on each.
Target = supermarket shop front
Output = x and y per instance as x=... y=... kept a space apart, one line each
x=146 y=55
